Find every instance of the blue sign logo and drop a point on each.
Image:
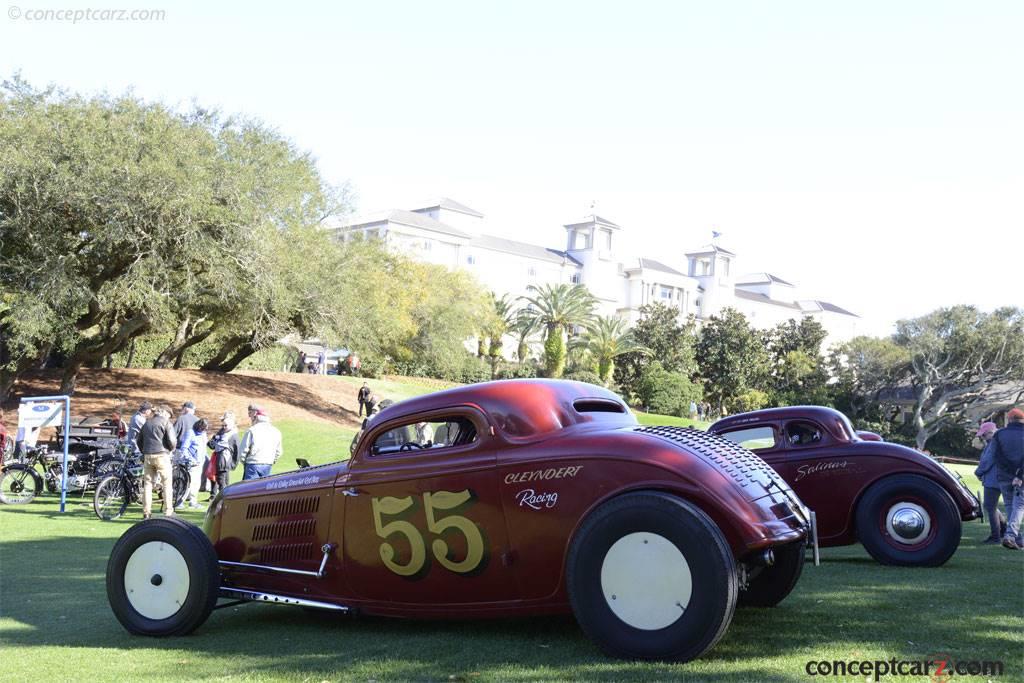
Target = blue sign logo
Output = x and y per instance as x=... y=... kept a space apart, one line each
x=40 y=408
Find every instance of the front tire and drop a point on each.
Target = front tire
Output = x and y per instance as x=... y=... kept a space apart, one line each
x=162 y=578
x=650 y=576
x=772 y=584
x=908 y=520
x=181 y=480
x=111 y=498
x=19 y=484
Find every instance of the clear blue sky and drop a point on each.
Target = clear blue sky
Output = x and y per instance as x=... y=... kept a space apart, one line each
x=869 y=151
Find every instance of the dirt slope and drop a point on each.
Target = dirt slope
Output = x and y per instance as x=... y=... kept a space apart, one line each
x=286 y=396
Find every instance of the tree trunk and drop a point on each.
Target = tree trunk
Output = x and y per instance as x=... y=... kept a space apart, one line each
x=234 y=350
x=243 y=352
x=131 y=354
x=69 y=377
x=172 y=349
x=523 y=351
x=226 y=349
x=114 y=342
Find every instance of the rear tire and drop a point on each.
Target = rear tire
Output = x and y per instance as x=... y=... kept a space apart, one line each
x=650 y=576
x=162 y=578
x=19 y=485
x=772 y=584
x=111 y=498
x=908 y=520
x=181 y=481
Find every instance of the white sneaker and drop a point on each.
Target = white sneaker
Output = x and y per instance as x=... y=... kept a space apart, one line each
x=196 y=506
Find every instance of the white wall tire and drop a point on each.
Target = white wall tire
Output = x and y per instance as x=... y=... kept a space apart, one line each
x=162 y=578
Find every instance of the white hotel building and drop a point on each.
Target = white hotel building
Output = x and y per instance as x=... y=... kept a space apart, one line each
x=699 y=283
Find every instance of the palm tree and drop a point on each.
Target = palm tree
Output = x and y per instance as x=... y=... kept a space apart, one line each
x=606 y=339
x=502 y=320
x=558 y=308
x=526 y=325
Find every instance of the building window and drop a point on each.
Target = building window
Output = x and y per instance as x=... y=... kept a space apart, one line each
x=704 y=266
x=575 y=278
x=471 y=260
x=428 y=245
x=697 y=303
x=606 y=240
x=665 y=293
x=532 y=272
x=580 y=240
x=725 y=265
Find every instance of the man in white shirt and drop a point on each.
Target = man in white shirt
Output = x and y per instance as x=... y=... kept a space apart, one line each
x=261 y=447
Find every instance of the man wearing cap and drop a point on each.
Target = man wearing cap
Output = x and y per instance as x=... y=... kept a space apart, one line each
x=186 y=420
x=144 y=412
x=1008 y=453
x=986 y=473
x=156 y=440
x=261 y=447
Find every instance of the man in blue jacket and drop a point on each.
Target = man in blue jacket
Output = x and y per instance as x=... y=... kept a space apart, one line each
x=1009 y=458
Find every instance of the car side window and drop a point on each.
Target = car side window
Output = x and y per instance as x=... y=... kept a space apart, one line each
x=436 y=433
x=753 y=438
x=801 y=433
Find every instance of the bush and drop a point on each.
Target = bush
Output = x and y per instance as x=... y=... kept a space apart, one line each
x=751 y=399
x=519 y=370
x=276 y=358
x=587 y=376
x=667 y=393
x=148 y=347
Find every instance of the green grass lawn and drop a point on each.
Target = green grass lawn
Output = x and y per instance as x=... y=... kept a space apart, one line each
x=55 y=624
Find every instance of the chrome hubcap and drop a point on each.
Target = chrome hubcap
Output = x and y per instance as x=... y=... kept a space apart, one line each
x=907 y=523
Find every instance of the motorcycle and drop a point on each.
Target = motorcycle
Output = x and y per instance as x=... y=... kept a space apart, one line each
x=21 y=482
x=116 y=491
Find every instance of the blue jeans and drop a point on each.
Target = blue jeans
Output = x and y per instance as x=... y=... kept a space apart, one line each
x=1013 y=499
x=255 y=471
x=990 y=503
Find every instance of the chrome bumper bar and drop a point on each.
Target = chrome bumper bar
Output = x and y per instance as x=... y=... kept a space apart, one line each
x=258 y=596
x=326 y=548
x=814 y=538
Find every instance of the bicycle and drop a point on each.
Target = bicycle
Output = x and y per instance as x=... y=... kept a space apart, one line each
x=118 y=490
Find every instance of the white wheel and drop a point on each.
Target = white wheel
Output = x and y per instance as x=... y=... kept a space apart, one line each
x=156 y=580
x=646 y=581
x=162 y=578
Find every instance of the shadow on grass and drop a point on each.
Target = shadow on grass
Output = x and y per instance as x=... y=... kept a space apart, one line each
x=53 y=590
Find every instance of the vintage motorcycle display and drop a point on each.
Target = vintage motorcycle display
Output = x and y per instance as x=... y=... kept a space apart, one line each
x=21 y=481
x=124 y=486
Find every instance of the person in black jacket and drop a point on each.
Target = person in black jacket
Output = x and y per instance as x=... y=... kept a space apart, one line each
x=1008 y=450
x=156 y=440
x=224 y=445
x=363 y=396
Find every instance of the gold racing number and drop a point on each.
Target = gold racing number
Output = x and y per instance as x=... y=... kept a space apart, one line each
x=436 y=525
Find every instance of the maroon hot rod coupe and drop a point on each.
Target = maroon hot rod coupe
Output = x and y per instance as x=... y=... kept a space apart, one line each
x=504 y=498
x=903 y=506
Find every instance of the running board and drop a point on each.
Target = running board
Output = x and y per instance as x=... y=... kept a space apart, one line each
x=258 y=596
x=326 y=549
